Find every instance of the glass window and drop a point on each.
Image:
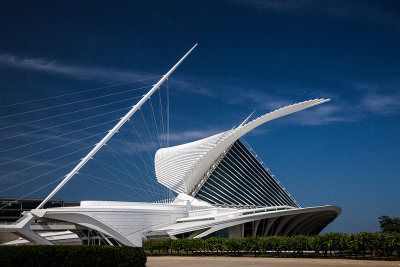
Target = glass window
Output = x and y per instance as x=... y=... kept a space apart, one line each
x=10 y=204
x=30 y=204
x=53 y=204
x=10 y=213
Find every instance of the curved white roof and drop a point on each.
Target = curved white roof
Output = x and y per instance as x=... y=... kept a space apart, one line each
x=181 y=168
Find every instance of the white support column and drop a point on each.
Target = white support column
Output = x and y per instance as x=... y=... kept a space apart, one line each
x=256 y=223
x=113 y=130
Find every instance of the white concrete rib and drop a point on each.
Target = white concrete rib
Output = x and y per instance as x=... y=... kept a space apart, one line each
x=181 y=168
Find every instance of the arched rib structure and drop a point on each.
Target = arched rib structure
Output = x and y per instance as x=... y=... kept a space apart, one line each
x=182 y=168
x=224 y=190
x=280 y=221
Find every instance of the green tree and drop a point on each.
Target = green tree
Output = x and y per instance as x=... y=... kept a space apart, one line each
x=389 y=225
x=396 y=243
x=166 y=245
x=251 y=244
x=189 y=245
x=331 y=242
x=233 y=245
x=365 y=240
x=353 y=243
x=199 y=244
x=299 y=243
x=325 y=243
x=315 y=243
x=278 y=243
x=389 y=243
x=177 y=245
x=149 y=245
x=377 y=244
x=215 y=244
x=264 y=244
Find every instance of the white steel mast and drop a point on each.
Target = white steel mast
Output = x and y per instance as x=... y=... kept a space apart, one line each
x=113 y=130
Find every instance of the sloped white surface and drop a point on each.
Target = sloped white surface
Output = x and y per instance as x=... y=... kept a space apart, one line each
x=183 y=198
x=181 y=168
x=172 y=163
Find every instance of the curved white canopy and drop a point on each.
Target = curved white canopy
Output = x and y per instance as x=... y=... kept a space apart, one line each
x=182 y=167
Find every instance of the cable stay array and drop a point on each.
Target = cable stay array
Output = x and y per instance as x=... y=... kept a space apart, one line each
x=58 y=133
x=77 y=93
x=58 y=129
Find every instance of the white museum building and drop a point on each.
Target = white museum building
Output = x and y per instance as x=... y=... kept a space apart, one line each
x=222 y=187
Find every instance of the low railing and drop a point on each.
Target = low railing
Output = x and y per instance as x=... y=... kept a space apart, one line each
x=52 y=223
x=5 y=223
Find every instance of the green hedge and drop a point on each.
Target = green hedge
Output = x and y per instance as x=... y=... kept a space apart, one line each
x=71 y=256
x=366 y=244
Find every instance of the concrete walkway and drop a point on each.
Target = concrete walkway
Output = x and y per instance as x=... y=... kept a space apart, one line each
x=176 y=261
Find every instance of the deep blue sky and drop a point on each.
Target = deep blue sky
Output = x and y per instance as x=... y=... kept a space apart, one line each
x=252 y=55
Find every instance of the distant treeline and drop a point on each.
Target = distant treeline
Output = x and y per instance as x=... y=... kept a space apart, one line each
x=371 y=245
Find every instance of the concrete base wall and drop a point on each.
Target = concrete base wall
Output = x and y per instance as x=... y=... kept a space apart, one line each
x=235 y=231
x=6 y=237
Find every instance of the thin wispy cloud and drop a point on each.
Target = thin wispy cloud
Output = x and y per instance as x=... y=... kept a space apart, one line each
x=264 y=102
x=228 y=92
x=73 y=71
x=321 y=115
x=130 y=146
x=379 y=99
x=188 y=84
x=371 y=99
x=367 y=11
x=257 y=99
x=381 y=103
x=191 y=135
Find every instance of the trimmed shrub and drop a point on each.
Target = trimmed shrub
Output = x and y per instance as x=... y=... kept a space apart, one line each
x=215 y=244
x=376 y=245
x=299 y=243
x=251 y=244
x=71 y=256
x=233 y=245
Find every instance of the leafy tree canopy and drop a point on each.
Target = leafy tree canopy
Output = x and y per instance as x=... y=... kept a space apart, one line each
x=389 y=225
